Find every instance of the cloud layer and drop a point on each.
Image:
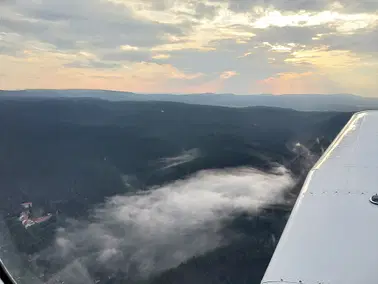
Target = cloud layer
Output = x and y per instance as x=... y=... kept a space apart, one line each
x=183 y=45
x=151 y=231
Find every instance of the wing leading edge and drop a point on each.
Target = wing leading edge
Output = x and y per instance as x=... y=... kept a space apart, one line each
x=332 y=234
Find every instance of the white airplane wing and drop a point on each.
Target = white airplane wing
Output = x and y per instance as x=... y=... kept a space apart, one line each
x=331 y=236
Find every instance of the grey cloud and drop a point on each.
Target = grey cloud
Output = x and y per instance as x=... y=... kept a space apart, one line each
x=300 y=35
x=52 y=16
x=38 y=31
x=159 y=5
x=273 y=35
x=204 y=62
x=11 y=50
x=255 y=66
x=202 y=9
x=359 y=42
x=92 y=64
x=230 y=45
x=120 y=55
x=205 y=11
x=21 y=26
x=360 y=6
x=8 y=46
x=287 y=5
x=241 y=6
x=81 y=24
x=309 y=5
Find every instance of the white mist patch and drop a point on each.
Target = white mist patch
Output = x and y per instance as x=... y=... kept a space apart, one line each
x=74 y=272
x=184 y=157
x=160 y=228
x=308 y=158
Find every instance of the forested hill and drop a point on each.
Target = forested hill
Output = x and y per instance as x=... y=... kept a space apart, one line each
x=69 y=155
x=56 y=145
x=302 y=102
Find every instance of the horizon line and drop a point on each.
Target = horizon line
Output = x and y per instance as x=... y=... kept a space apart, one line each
x=179 y=94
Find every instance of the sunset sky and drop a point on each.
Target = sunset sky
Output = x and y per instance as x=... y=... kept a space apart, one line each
x=187 y=46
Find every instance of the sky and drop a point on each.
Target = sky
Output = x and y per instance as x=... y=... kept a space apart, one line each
x=187 y=46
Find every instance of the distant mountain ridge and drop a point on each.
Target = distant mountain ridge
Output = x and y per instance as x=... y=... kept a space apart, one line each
x=302 y=102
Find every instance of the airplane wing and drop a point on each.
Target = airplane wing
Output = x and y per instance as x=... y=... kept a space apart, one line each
x=331 y=236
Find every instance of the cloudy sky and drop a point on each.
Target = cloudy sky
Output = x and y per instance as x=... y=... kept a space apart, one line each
x=188 y=46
